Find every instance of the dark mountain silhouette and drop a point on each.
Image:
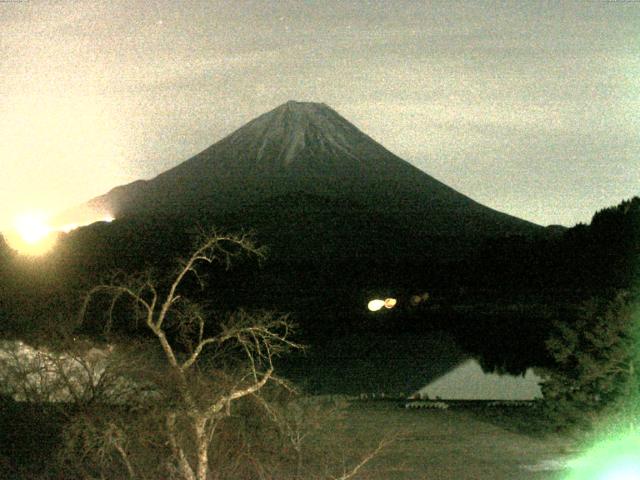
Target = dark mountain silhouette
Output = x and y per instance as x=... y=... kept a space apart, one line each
x=304 y=148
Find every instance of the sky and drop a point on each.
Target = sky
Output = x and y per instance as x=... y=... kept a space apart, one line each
x=531 y=108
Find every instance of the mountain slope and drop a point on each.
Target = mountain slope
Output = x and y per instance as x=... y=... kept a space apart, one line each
x=308 y=148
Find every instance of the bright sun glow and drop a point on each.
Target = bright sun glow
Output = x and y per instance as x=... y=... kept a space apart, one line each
x=31 y=234
x=58 y=149
x=69 y=227
x=32 y=227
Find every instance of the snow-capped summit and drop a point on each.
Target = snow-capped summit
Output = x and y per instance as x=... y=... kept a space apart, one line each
x=288 y=129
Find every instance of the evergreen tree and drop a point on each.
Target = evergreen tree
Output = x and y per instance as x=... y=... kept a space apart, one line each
x=597 y=360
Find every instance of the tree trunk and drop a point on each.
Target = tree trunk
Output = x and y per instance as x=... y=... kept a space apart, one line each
x=202 y=443
x=180 y=458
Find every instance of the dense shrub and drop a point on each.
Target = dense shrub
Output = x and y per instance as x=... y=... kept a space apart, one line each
x=596 y=361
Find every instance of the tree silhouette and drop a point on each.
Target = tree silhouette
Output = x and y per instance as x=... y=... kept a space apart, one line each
x=183 y=333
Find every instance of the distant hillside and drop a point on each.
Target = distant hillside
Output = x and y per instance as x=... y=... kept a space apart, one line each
x=584 y=259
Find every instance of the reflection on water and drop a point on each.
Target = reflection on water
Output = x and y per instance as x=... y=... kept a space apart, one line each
x=469 y=382
x=372 y=362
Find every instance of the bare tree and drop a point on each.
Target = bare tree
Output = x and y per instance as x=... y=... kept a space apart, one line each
x=66 y=374
x=302 y=419
x=183 y=333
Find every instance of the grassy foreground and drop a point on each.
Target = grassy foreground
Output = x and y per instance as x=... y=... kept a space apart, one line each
x=456 y=443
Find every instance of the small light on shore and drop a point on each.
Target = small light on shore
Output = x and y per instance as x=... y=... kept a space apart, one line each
x=375 y=305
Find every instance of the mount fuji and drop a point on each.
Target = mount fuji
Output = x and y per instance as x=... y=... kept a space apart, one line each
x=303 y=149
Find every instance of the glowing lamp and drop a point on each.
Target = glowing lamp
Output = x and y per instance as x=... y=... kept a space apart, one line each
x=375 y=305
x=390 y=302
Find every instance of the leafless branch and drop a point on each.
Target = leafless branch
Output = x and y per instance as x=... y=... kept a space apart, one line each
x=384 y=443
x=259 y=336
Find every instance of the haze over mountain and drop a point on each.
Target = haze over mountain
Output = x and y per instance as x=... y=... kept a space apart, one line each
x=309 y=149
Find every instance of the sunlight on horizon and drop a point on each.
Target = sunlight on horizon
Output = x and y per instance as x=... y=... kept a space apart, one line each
x=32 y=227
x=60 y=148
x=32 y=235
